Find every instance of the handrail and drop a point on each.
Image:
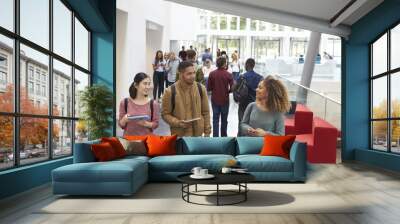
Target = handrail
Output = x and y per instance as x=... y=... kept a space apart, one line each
x=322 y=95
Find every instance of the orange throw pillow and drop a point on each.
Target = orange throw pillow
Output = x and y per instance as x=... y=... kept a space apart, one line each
x=161 y=145
x=277 y=145
x=103 y=152
x=136 y=137
x=116 y=145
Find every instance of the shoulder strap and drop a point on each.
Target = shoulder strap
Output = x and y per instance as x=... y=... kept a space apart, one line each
x=151 y=109
x=126 y=105
x=173 y=93
x=200 y=91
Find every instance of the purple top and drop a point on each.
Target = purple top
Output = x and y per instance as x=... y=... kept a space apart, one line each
x=132 y=127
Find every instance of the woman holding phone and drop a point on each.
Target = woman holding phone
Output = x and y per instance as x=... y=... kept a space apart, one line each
x=138 y=115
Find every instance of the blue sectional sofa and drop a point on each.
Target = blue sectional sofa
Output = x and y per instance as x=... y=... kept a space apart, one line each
x=125 y=176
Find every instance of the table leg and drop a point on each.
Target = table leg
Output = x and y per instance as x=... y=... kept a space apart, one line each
x=245 y=193
x=217 y=194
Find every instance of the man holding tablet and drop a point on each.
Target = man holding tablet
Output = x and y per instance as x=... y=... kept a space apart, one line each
x=185 y=104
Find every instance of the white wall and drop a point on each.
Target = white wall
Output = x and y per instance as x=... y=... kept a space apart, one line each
x=133 y=51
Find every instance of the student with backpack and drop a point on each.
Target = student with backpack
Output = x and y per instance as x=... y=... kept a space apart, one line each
x=185 y=104
x=138 y=114
x=244 y=91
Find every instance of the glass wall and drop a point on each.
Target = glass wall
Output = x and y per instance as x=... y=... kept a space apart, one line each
x=39 y=124
x=385 y=96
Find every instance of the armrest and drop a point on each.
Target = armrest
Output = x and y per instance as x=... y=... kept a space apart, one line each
x=298 y=155
x=83 y=152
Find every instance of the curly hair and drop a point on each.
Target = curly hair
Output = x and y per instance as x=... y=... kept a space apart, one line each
x=277 y=95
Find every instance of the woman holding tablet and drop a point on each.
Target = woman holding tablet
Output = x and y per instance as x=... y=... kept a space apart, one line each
x=138 y=115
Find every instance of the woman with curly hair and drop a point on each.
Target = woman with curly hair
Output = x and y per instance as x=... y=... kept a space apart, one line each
x=266 y=116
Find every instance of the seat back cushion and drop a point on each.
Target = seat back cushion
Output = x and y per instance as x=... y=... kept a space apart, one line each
x=208 y=145
x=249 y=145
x=83 y=152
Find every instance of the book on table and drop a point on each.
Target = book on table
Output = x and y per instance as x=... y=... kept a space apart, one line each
x=139 y=117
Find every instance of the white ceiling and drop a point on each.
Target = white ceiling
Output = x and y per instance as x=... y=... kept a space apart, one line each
x=320 y=9
x=314 y=15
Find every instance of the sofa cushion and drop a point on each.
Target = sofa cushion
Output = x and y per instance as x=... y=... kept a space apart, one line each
x=277 y=145
x=103 y=152
x=257 y=163
x=112 y=171
x=116 y=145
x=185 y=163
x=197 y=146
x=161 y=145
x=134 y=147
x=249 y=145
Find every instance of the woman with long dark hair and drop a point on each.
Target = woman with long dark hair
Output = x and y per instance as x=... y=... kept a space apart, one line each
x=138 y=115
x=159 y=74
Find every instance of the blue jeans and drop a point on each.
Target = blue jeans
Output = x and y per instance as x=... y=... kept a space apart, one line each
x=235 y=75
x=220 y=111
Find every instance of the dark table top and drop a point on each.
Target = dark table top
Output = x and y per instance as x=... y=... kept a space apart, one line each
x=220 y=178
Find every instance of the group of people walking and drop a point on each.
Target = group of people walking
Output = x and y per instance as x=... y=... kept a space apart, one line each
x=185 y=103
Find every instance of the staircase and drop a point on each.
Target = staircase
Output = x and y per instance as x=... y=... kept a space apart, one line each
x=316 y=121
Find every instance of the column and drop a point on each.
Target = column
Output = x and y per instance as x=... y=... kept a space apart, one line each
x=309 y=63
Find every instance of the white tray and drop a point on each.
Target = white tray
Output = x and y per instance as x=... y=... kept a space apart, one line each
x=208 y=176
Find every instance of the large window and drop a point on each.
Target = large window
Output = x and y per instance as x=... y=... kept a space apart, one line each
x=385 y=95
x=298 y=46
x=264 y=49
x=40 y=80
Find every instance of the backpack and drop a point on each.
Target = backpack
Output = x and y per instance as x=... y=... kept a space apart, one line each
x=241 y=91
x=173 y=93
x=151 y=107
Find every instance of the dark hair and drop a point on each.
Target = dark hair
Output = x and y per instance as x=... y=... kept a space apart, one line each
x=191 y=54
x=139 y=77
x=250 y=63
x=183 y=65
x=223 y=52
x=221 y=62
x=156 y=60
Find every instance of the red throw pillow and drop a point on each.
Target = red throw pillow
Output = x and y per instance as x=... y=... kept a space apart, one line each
x=103 y=152
x=116 y=145
x=161 y=145
x=277 y=145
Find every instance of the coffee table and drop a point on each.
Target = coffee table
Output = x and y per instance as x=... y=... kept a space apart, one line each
x=238 y=179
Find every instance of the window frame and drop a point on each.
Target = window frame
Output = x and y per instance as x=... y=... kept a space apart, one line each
x=388 y=74
x=16 y=115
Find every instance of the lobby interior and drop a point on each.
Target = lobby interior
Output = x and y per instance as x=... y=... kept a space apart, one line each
x=88 y=42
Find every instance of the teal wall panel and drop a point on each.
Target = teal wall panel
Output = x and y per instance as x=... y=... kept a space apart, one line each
x=356 y=96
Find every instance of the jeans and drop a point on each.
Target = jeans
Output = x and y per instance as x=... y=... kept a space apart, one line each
x=217 y=112
x=158 y=81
